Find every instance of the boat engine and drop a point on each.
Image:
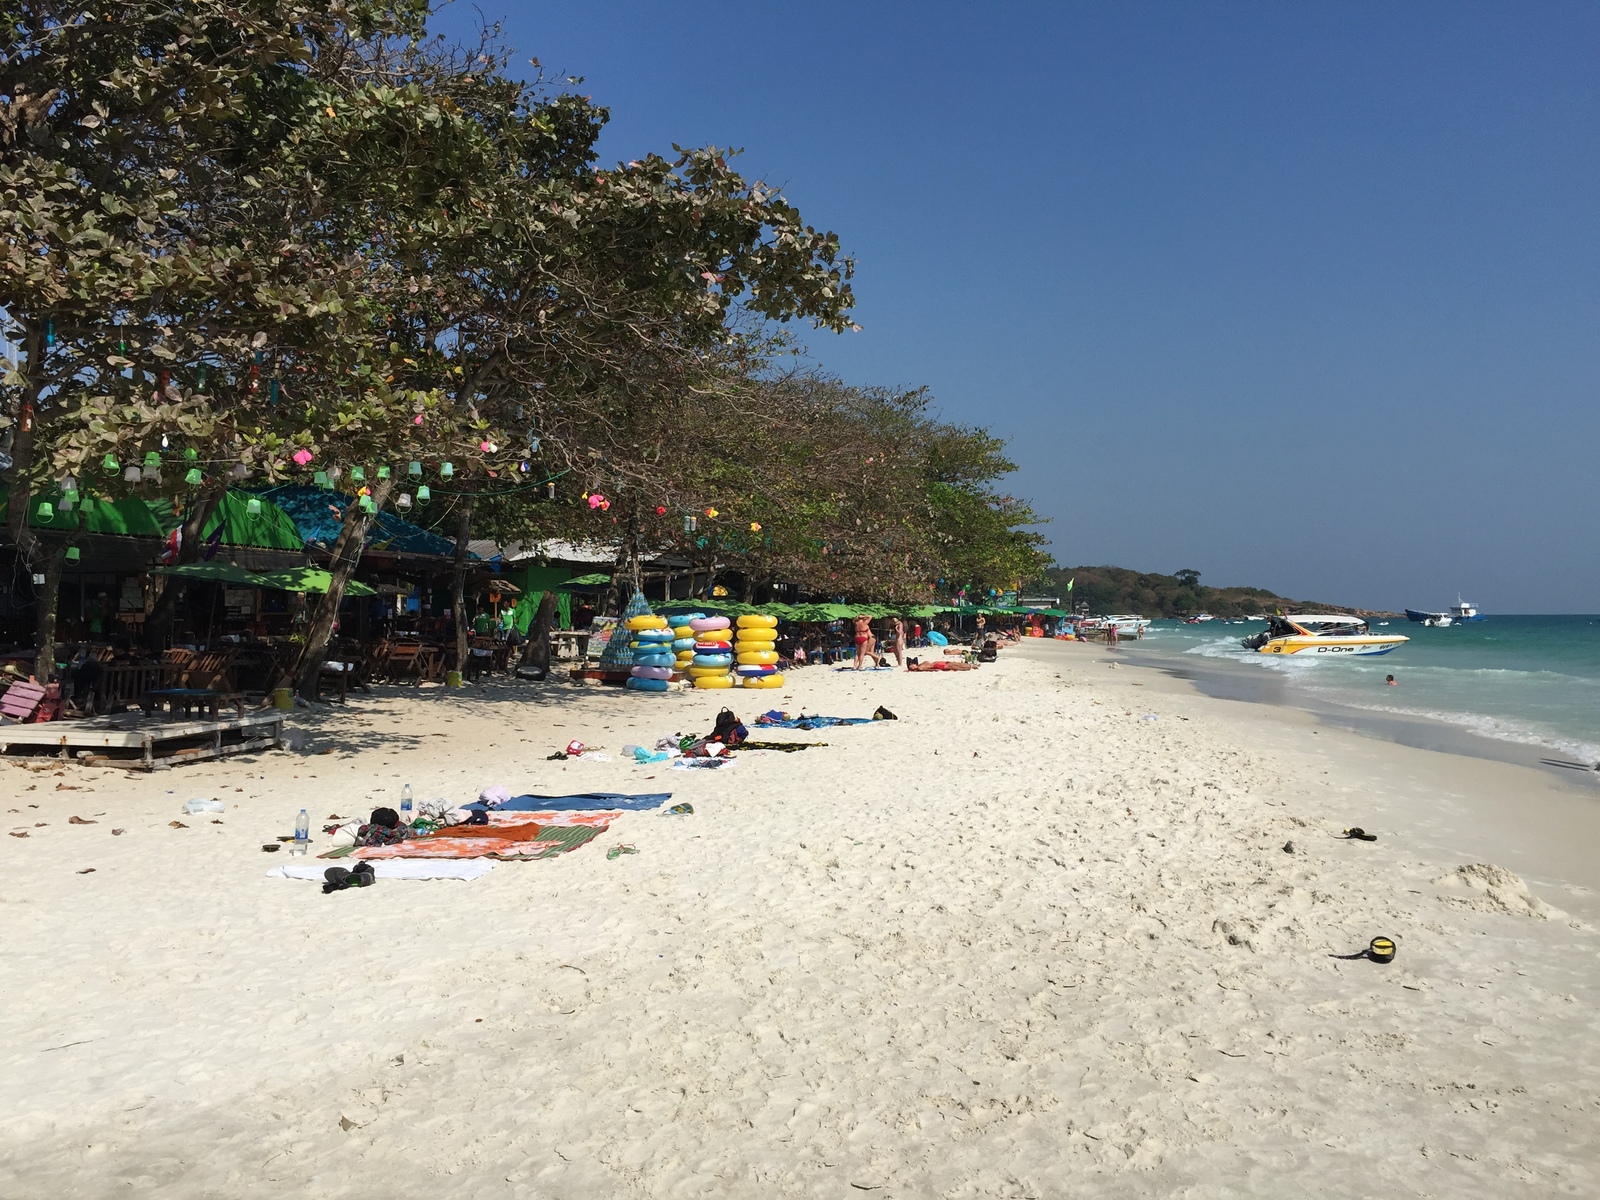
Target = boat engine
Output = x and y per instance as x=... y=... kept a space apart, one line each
x=1255 y=643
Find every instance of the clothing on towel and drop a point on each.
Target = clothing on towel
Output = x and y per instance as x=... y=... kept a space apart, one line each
x=469 y=869
x=769 y=722
x=942 y=666
x=786 y=747
x=702 y=764
x=578 y=803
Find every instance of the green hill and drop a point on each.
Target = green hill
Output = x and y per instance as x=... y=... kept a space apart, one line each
x=1119 y=590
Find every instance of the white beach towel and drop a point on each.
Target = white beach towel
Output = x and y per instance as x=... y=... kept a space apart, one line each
x=395 y=868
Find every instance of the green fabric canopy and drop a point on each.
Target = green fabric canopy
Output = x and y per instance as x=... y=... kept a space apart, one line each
x=126 y=516
x=585 y=583
x=270 y=528
x=310 y=579
x=215 y=571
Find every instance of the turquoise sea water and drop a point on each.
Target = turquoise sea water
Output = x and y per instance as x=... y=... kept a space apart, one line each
x=1522 y=679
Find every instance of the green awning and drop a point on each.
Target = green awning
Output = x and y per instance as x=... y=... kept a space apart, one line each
x=215 y=571
x=310 y=579
x=126 y=516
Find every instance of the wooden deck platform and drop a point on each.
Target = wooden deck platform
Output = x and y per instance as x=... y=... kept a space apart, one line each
x=146 y=742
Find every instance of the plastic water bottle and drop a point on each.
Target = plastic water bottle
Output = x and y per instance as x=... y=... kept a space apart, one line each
x=405 y=804
x=302 y=832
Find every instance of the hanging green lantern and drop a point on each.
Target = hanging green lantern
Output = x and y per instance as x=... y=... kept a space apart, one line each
x=320 y=479
x=110 y=464
x=358 y=474
x=152 y=461
x=47 y=511
x=252 y=507
x=191 y=455
x=193 y=477
x=447 y=471
x=368 y=505
x=414 y=470
x=423 y=494
x=383 y=472
x=72 y=554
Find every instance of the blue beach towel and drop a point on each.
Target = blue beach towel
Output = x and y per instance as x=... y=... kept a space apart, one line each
x=768 y=722
x=579 y=803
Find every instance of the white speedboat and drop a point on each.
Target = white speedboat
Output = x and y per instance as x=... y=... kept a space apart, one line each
x=1313 y=635
x=1127 y=625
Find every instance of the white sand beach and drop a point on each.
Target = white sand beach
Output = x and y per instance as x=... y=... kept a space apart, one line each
x=1039 y=937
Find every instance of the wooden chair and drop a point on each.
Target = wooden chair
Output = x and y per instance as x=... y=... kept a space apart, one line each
x=20 y=702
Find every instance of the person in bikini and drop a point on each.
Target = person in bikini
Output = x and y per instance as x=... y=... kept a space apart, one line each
x=864 y=640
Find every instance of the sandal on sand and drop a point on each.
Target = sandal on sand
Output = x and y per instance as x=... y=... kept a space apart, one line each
x=1359 y=834
x=619 y=851
x=679 y=810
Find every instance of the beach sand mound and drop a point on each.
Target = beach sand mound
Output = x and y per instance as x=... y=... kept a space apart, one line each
x=1488 y=888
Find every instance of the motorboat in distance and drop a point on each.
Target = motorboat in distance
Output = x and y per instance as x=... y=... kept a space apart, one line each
x=1312 y=635
x=1460 y=613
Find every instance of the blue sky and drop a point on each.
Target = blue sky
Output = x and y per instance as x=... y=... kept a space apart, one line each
x=1302 y=296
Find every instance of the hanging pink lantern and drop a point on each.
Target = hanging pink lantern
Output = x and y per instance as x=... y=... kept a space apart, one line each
x=302 y=456
x=596 y=500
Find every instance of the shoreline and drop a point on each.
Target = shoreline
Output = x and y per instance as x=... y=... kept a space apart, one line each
x=1223 y=680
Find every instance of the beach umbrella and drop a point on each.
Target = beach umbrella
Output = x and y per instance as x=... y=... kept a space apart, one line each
x=585 y=583
x=217 y=572
x=312 y=580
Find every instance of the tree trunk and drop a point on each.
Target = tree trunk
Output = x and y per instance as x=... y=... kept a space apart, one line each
x=45 y=599
x=346 y=555
x=35 y=555
x=537 y=655
x=458 y=585
x=158 y=626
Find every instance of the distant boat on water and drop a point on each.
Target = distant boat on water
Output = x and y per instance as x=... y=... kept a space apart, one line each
x=1459 y=614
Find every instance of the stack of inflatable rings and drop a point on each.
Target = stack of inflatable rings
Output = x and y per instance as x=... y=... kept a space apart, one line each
x=756 y=652
x=682 y=645
x=711 y=666
x=652 y=654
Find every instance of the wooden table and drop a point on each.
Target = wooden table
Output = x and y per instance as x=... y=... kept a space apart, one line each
x=576 y=639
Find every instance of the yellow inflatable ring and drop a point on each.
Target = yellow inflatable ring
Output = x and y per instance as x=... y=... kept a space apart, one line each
x=714 y=681
x=757 y=658
x=713 y=635
x=764 y=681
x=702 y=672
x=755 y=638
x=682 y=631
x=647 y=621
x=757 y=621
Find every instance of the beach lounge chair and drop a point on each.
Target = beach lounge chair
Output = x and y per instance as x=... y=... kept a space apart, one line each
x=21 y=702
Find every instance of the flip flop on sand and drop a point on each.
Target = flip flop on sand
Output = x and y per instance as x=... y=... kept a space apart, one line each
x=1359 y=834
x=619 y=851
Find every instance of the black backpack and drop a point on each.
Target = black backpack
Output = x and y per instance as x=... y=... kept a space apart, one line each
x=728 y=729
